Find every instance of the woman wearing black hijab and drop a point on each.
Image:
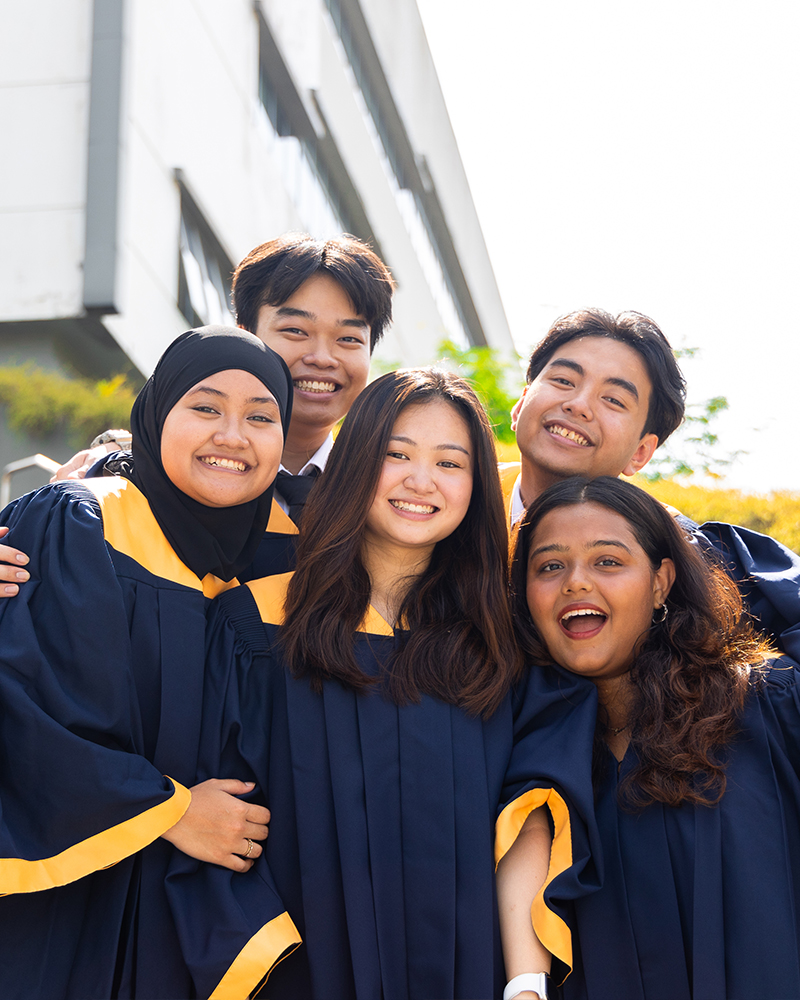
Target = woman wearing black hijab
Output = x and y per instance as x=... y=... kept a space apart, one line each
x=101 y=677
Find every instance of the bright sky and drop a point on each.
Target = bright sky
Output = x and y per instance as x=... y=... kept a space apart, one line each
x=644 y=155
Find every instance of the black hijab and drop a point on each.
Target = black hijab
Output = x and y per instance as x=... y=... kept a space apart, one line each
x=218 y=540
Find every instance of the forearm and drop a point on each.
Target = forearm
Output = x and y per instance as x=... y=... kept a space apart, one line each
x=520 y=875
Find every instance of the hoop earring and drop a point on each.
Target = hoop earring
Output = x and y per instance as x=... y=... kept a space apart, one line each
x=664 y=612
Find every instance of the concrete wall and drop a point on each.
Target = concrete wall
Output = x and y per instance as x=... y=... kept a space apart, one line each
x=189 y=101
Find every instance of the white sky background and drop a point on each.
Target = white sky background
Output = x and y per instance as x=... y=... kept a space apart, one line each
x=643 y=155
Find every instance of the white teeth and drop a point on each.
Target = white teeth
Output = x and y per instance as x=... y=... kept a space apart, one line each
x=225 y=463
x=563 y=432
x=412 y=508
x=308 y=386
x=582 y=611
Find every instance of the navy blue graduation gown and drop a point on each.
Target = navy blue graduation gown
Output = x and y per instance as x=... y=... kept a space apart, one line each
x=768 y=576
x=101 y=668
x=382 y=840
x=701 y=903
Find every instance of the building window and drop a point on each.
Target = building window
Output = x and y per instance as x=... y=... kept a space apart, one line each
x=398 y=162
x=204 y=270
x=293 y=142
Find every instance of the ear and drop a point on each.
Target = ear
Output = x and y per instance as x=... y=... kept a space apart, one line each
x=662 y=583
x=516 y=408
x=642 y=455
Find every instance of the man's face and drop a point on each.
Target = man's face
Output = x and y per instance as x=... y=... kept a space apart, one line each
x=585 y=412
x=326 y=346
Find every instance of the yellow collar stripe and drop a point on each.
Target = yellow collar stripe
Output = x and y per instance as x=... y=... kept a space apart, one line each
x=130 y=528
x=279 y=520
x=509 y=471
x=270 y=596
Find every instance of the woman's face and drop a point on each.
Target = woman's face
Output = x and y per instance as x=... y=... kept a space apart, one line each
x=222 y=442
x=591 y=589
x=425 y=487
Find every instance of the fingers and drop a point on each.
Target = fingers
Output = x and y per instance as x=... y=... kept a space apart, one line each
x=257 y=814
x=75 y=468
x=79 y=465
x=232 y=785
x=11 y=572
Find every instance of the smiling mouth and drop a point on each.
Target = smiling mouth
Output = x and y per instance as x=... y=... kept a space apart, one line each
x=225 y=463
x=558 y=431
x=309 y=385
x=582 y=621
x=413 y=508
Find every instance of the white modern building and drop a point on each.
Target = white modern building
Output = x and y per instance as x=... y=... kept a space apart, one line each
x=150 y=144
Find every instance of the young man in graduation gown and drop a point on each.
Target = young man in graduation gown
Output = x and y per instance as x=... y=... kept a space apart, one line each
x=602 y=394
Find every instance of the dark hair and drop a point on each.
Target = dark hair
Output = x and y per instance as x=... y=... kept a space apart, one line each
x=667 y=385
x=692 y=671
x=458 y=642
x=271 y=273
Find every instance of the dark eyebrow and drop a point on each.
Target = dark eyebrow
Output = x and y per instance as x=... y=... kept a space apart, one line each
x=603 y=542
x=567 y=363
x=439 y=447
x=600 y=543
x=621 y=383
x=305 y=314
x=259 y=400
x=549 y=548
x=291 y=311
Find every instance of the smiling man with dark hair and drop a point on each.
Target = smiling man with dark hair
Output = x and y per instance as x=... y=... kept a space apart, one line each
x=603 y=393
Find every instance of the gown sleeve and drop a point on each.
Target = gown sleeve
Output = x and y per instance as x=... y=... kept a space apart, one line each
x=554 y=722
x=768 y=575
x=75 y=793
x=233 y=928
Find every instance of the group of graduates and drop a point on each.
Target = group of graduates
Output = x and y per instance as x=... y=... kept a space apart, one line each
x=277 y=718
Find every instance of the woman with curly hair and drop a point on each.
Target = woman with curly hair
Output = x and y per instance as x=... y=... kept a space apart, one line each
x=695 y=761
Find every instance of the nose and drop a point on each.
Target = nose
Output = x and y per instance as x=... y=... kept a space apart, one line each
x=231 y=434
x=577 y=581
x=579 y=404
x=320 y=354
x=420 y=480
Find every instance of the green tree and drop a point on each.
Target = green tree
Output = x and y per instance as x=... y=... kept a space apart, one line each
x=494 y=379
x=695 y=446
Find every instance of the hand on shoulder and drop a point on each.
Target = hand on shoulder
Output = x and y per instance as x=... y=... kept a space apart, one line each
x=11 y=571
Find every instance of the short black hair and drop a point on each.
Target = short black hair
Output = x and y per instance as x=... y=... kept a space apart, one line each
x=272 y=272
x=667 y=384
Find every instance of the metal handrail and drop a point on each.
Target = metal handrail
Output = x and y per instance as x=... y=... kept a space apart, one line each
x=32 y=461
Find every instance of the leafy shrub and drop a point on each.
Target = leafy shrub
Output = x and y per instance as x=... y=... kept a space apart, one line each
x=39 y=402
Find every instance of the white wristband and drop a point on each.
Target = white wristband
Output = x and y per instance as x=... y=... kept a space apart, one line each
x=536 y=981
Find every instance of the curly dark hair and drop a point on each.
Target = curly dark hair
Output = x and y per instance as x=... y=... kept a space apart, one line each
x=692 y=672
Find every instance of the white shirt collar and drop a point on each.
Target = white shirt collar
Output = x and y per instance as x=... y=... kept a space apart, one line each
x=317 y=460
x=517 y=506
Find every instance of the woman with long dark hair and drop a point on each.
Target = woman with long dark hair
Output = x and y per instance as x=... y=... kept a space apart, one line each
x=368 y=696
x=101 y=678
x=696 y=754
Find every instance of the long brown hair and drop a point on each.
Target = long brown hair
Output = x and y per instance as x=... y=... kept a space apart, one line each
x=457 y=641
x=692 y=671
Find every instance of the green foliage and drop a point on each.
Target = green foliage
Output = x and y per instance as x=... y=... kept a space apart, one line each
x=776 y=514
x=489 y=375
x=694 y=447
x=39 y=402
